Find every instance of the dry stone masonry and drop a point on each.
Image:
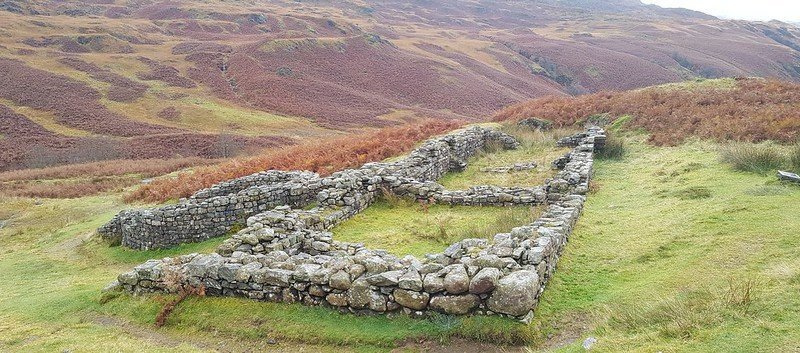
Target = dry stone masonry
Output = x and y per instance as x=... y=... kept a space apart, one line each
x=517 y=167
x=286 y=254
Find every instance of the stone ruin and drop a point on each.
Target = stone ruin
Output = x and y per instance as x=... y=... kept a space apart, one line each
x=285 y=252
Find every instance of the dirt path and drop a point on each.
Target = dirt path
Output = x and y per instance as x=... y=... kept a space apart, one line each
x=144 y=333
x=458 y=346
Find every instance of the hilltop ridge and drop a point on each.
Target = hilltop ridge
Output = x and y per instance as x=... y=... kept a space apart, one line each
x=139 y=80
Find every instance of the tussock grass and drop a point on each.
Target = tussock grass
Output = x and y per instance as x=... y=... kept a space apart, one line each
x=614 y=149
x=693 y=193
x=747 y=157
x=712 y=109
x=794 y=157
x=689 y=312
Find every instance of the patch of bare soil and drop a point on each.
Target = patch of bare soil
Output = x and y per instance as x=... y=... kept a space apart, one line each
x=566 y=331
x=212 y=342
x=458 y=346
x=143 y=333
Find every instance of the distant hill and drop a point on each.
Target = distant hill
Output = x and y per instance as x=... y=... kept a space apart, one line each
x=145 y=79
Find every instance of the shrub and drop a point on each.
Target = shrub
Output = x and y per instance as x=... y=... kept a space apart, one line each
x=794 y=157
x=761 y=158
x=599 y=119
x=536 y=123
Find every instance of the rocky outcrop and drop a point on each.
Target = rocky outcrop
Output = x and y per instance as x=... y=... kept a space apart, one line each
x=287 y=254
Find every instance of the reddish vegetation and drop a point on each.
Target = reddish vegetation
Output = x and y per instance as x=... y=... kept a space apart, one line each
x=74 y=103
x=122 y=89
x=194 y=144
x=169 y=113
x=323 y=60
x=79 y=180
x=183 y=293
x=65 y=189
x=755 y=110
x=25 y=144
x=164 y=73
x=145 y=168
x=19 y=134
x=351 y=81
x=323 y=157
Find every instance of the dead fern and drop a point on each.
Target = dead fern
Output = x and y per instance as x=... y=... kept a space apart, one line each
x=183 y=293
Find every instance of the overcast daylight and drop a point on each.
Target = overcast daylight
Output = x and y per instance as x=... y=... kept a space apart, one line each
x=400 y=176
x=762 y=10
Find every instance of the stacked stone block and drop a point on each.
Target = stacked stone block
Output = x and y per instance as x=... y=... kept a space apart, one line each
x=288 y=255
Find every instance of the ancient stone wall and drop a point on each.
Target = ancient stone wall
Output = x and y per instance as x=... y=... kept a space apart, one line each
x=214 y=211
x=288 y=255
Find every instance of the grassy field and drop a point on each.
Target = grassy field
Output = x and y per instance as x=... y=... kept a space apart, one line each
x=407 y=228
x=536 y=147
x=675 y=252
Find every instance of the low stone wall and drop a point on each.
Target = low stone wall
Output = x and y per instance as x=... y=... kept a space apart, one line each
x=288 y=255
x=214 y=211
x=201 y=218
x=517 y=167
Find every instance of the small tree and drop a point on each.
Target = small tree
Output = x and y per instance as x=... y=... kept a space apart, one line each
x=227 y=145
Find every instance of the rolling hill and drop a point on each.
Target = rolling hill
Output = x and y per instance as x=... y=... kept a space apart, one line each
x=98 y=80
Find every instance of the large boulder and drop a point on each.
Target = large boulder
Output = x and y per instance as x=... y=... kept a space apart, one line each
x=457 y=280
x=455 y=304
x=433 y=283
x=129 y=278
x=388 y=278
x=377 y=302
x=204 y=266
x=340 y=280
x=515 y=293
x=411 y=280
x=411 y=299
x=273 y=277
x=484 y=281
x=337 y=299
x=360 y=294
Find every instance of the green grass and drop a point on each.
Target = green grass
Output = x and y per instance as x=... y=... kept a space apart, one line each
x=650 y=267
x=794 y=157
x=764 y=158
x=406 y=228
x=614 y=148
x=699 y=83
x=537 y=146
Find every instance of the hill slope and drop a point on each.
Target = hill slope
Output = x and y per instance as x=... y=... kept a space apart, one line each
x=160 y=79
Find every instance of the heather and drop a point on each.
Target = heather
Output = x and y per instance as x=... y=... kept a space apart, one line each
x=750 y=110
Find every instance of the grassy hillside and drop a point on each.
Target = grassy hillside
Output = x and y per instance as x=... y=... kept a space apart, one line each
x=117 y=79
x=725 y=109
x=675 y=252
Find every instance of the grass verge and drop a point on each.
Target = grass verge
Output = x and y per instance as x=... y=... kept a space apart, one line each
x=649 y=268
